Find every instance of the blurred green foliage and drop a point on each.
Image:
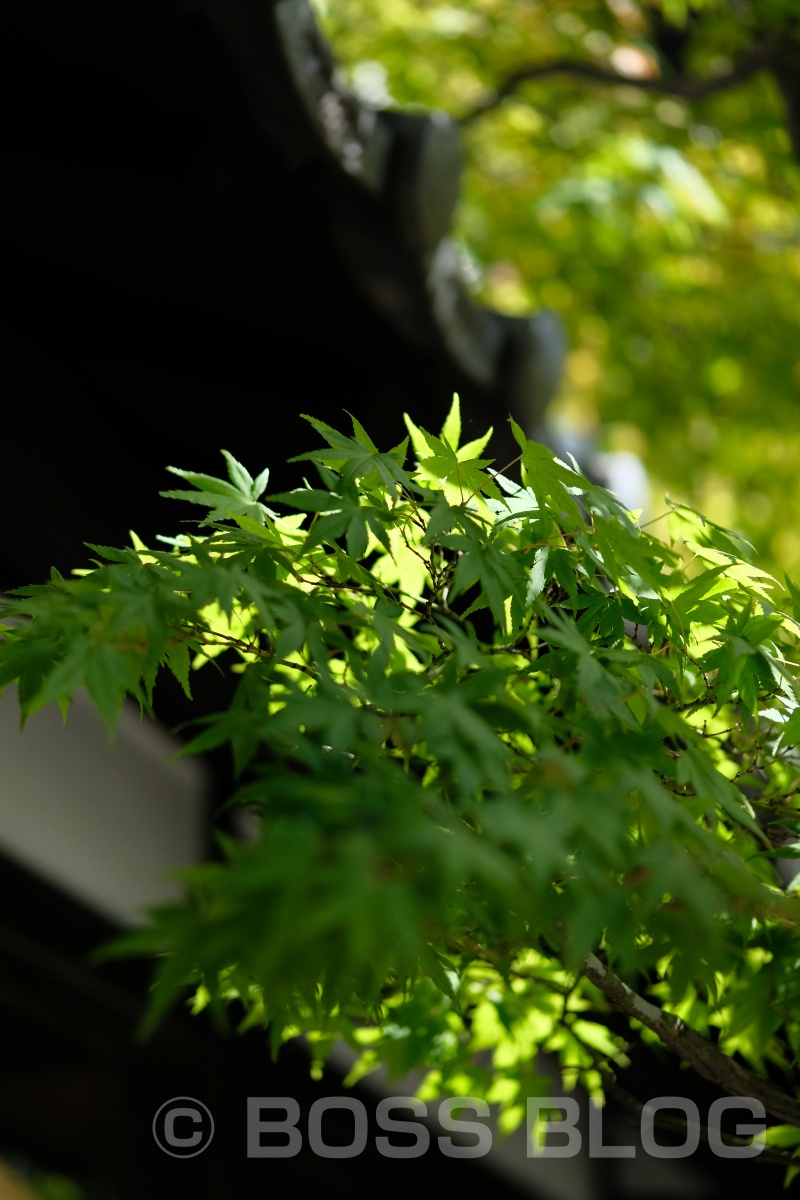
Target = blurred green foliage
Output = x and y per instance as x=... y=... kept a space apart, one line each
x=20 y=1179
x=664 y=231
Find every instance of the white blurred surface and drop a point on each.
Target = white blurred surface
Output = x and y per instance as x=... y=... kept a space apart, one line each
x=107 y=824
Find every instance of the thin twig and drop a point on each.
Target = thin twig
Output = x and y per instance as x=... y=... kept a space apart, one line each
x=684 y=86
x=633 y=1109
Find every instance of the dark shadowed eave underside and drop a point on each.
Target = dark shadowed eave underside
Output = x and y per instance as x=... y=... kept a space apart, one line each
x=395 y=179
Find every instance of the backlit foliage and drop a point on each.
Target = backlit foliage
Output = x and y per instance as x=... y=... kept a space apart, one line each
x=488 y=725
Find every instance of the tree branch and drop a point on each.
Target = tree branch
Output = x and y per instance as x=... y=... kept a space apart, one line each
x=701 y=1054
x=683 y=86
x=633 y=1108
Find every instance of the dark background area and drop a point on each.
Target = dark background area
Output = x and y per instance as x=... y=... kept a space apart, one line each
x=175 y=281
x=78 y=1092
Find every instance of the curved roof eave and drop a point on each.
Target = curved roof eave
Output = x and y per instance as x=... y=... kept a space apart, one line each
x=395 y=181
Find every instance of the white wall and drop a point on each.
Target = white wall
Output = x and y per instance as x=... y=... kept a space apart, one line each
x=105 y=823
